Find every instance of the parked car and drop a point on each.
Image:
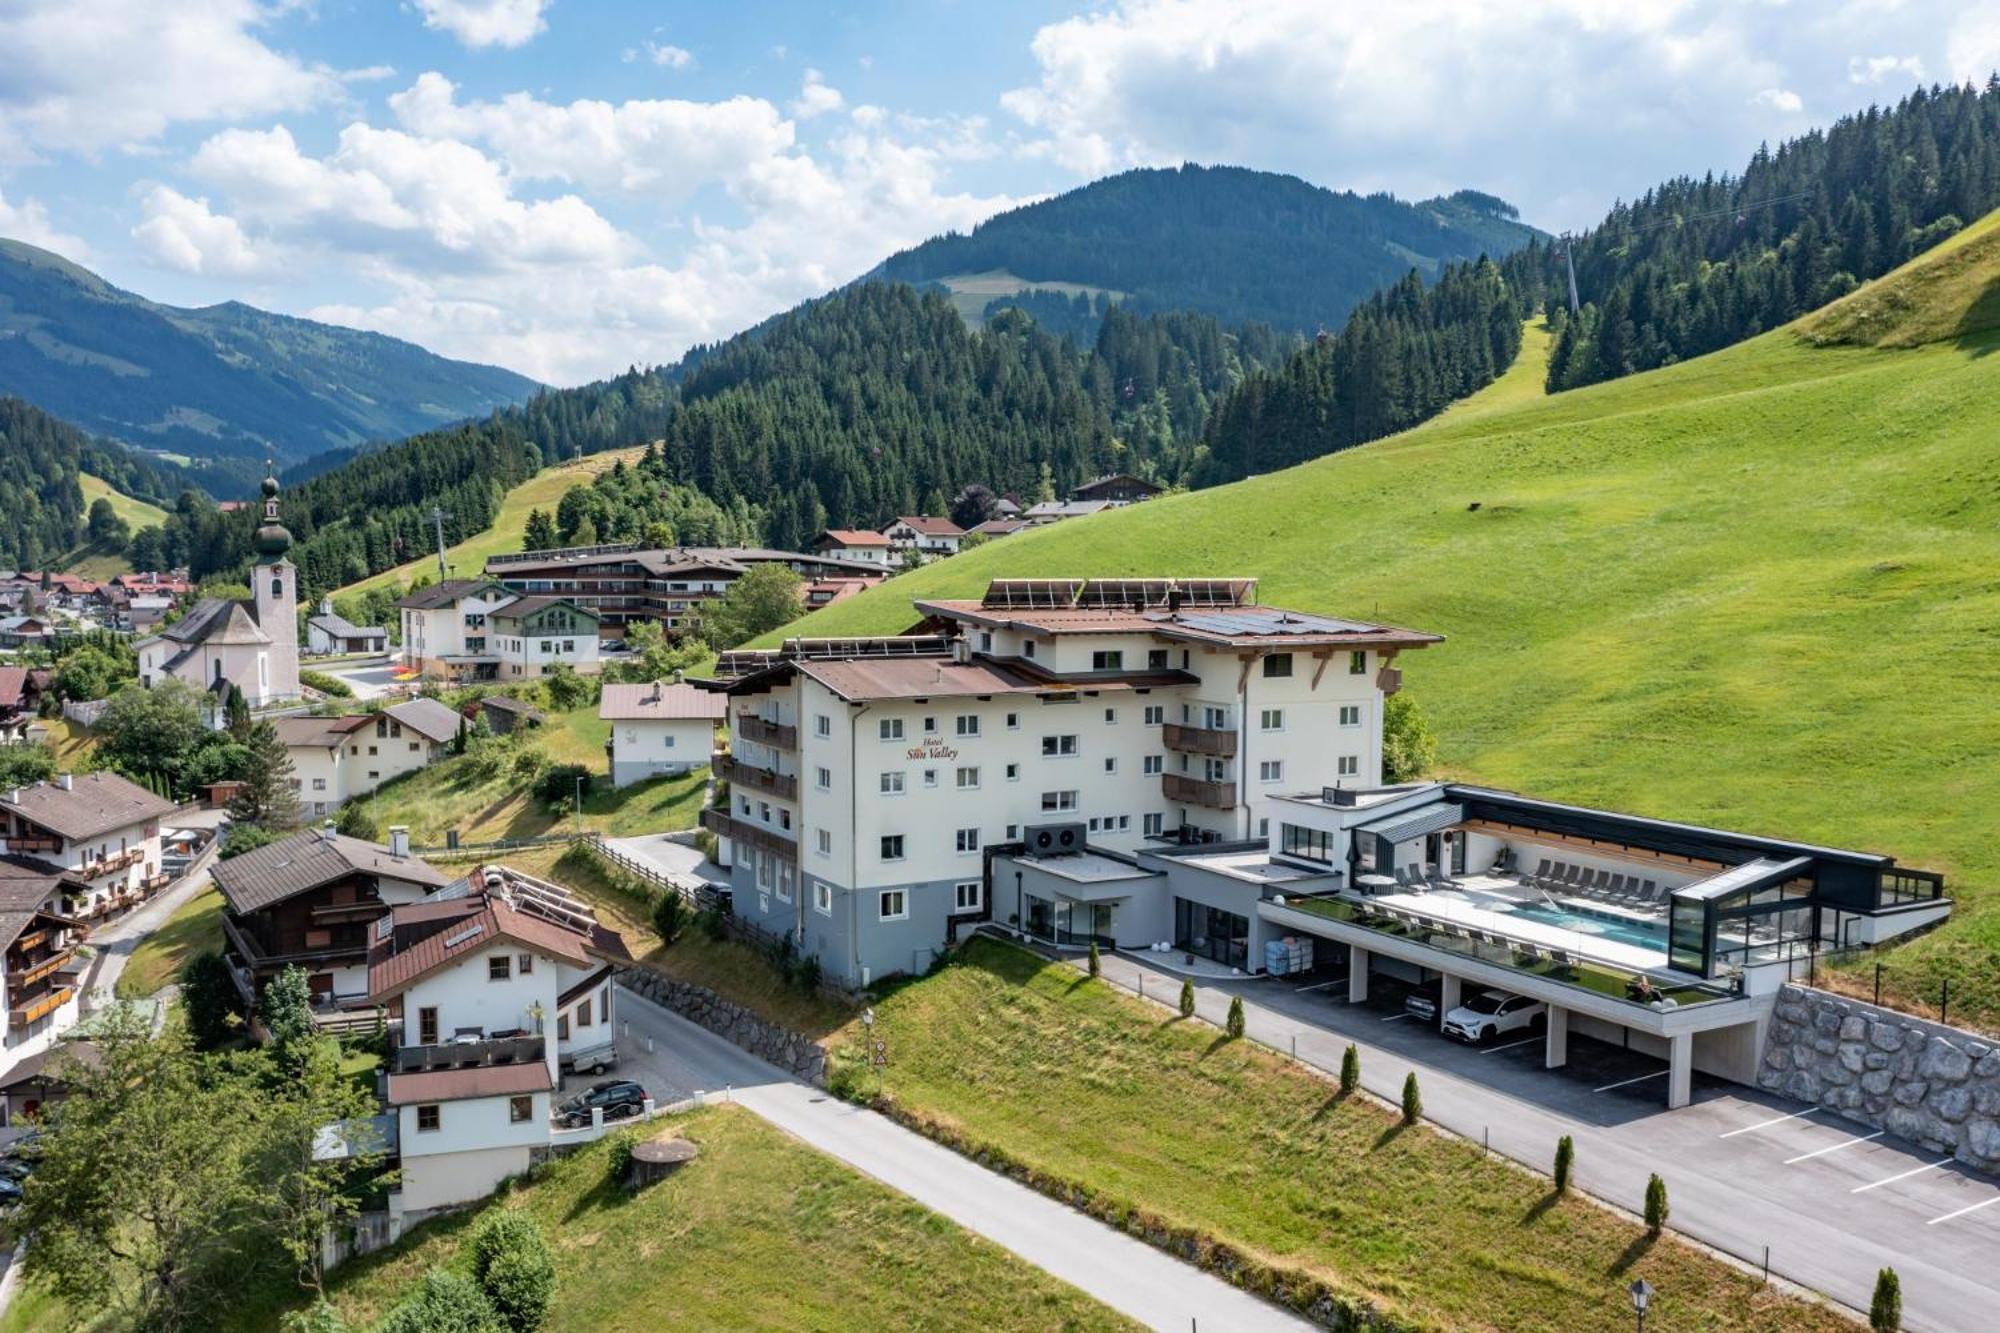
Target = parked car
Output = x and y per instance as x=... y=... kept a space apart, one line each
x=1423 y=1000
x=621 y=1098
x=1492 y=1012
x=10 y=1192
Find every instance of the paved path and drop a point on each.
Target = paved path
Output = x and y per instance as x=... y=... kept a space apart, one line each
x=115 y=942
x=369 y=678
x=1832 y=1200
x=671 y=857
x=1126 y=1275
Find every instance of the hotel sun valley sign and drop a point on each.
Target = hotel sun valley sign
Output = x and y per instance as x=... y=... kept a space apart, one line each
x=932 y=747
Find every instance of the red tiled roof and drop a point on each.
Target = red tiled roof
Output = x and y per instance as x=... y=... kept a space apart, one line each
x=426 y=936
x=452 y=1085
x=851 y=537
x=931 y=527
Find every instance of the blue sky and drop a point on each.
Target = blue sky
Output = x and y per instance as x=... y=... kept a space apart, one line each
x=568 y=187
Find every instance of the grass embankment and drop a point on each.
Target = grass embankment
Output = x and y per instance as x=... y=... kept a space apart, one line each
x=1171 y=1118
x=195 y=928
x=1753 y=590
x=93 y=563
x=758 y=1232
x=467 y=559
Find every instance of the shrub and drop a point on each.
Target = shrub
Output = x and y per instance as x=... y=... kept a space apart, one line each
x=355 y=821
x=285 y=1009
x=530 y=764
x=1234 y=1026
x=513 y=1266
x=1413 y=1100
x=1187 y=999
x=319 y=1318
x=1350 y=1069
x=714 y=925
x=1096 y=963
x=809 y=973
x=559 y=782
x=1565 y=1162
x=209 y=1000
x=1885 y=1312
x=444 y=1302
x=669 y=916
x=243 y=838
x=331 y=686
x=1656 y=1205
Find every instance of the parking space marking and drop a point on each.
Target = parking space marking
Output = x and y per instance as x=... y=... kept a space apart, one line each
x=1969 y=1208
x=1627 y=1082
x=1397 y=1018
x=1321 y=985
x=1844 y=1143
x=1905 y=1175
x=1525 y=1041
x=1766 y=1124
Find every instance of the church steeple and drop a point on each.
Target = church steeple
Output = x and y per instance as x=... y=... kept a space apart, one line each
x=272 y=539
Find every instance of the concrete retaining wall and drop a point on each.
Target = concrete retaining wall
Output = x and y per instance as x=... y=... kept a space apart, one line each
x=798 y=1055
x=1934 y=1085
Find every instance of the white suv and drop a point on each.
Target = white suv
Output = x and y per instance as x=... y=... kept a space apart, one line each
x=1490 y=1013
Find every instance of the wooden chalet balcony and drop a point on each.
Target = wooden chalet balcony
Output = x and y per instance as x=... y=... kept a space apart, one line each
x=34 y=939
x=1199 y=740
x=155 y=882
x=722 y=824
x=469 y=1054
x=35 y=1007
x=777 y=734
x=111 y=865
x=738 y=773
x=254 y=955
x=1195 y=791
x=23 y=973
x=33 y=843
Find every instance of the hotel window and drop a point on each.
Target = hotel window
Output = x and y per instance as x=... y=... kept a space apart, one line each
x=1110 y=765
x=1058 y=746
x=822 y=898
x=930 y=777
x=1156 y=714
x=892 y=847
x=1013 y=772
x=764 y=811
x=823 y=840
x=1111 y=659
x=1309 y=844
x=823 y=778
x=1215 y=770
x=784 y=883
x=822 y=725
x=1277 y=666
x=1357 y=663
x=893 y=905
x=930 y=726
x=967 y=897
x=968 y=724
x=1155 y=823
x=1350 y=765
x=892 y=784
x=1155 y=764
x=499 y=967
x=968 y=840
x=520 y=1110
x=1350 y=715
x=1013 y=721
x=968 y=779
x=1110 y=717
x=744 y=803
x=1156 y=659
x=427 y=1026
x=427 y=1118
x=1271 y=770
x=891 y=728
x=1058 y=800
x=1264 y=827
x=1273 y=719
x=1215 y=719
x=784 y=819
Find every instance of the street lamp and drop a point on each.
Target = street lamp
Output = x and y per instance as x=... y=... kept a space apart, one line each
x=1642 y=1296
x=579 y=803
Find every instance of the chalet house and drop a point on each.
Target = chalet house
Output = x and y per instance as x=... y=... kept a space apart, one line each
x=534 y=634
x=1000 y=527
x=35 y=1081
x=42 y=984
x=30 y=630
x=20 y=700
x=309 y=900
x=336 y=759
x=659 y=729
x=1055 y=511
x=1120 y=488
x=854 y=544
x=101 y=830
x=919 y=532
x=493 y=987
x=331 y=632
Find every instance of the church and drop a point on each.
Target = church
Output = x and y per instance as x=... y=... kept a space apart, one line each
x=254 y=644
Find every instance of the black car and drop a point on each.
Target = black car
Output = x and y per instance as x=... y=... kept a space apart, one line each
x=620 y=1098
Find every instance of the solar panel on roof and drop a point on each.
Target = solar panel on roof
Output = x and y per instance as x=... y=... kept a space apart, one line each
x=1262 y=622
x=1031 y=594
x=1124 y=592
x=1217 y=592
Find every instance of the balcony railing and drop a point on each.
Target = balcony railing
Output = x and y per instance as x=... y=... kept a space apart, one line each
x=722 y=824
x=777 y=734
x=1195 y=791
x=111 y=865
x=34 y=970
x=33 y=1008
x=469 y=1054
x=1199 y=740
x=252 y=951
x=155 y=882
x=782 y=785
x=31 y=842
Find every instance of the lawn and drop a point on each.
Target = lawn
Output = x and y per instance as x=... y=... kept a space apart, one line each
x=1753 y=590
x=467 y=559
x=1227 y=1138
x=92 y=563
x=195 y=928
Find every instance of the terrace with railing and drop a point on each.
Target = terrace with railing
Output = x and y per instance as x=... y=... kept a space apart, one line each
x=1197 y=791
x=469 y=1054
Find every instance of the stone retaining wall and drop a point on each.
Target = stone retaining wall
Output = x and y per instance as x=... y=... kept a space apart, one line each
x=798 y=1055
x=1934 y=1085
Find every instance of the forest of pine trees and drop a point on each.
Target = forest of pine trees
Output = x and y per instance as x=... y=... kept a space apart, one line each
x=42 y=513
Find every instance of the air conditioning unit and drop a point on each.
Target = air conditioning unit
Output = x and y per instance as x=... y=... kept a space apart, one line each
x=1053 y=839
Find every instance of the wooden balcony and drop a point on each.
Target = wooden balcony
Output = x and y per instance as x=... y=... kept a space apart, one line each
x=736 y=772
x=1199 y=740
x=722 y=824
x=1195 y=791
x=155 y=882
x=111 y=865
x=23 y=973
x=33 y=843
x=36 y=1007
x=775 y=734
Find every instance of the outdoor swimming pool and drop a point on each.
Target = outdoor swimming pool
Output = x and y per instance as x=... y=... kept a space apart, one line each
x=1638 y=934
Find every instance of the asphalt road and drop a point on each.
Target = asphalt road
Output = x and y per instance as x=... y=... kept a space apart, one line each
x=1834 y=1200
x=114 y=943
x=369 y=678
x=1124 y=1274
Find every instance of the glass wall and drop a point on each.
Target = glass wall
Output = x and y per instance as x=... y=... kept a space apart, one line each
x=1211 y=933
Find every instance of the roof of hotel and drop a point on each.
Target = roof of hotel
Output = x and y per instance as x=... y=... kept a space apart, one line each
x=1235 y=627
x=520 y=608
x=927 y=678
x=306 y=860
x=659 y=702
x=93 y=803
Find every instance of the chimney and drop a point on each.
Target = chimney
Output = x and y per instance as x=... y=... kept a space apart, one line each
x=326 y=605
x=399 y=839
x=65 y=781
x=326 y=831
x=680 y=676
x=961 y=651
x=657 y=693
x=14 y=796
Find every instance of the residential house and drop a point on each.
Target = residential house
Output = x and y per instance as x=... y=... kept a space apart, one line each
x=493 y=987
x=1055 y=511
x=41 y=989
x=1120 y=488
x=999 y=527
x=444 y=629
x=336 y=759
x=252 y=645
x=309 y=900
x=533 y=634
x=20 y=700
x=658 y=729
x=34 y=1082
x=144 y=611
x=100 y=829
x=825 y=592
x=331 y=632
x=29 y=630
x=929 y=536
x=854 y=544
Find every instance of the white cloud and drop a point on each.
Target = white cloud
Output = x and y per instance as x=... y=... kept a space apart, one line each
x=816 y=97
x=478 y=23
x=668 y=56
x=87 y=75
x=29 y=221
x=183 y=234
x=1879 y=69
x=1779 y=99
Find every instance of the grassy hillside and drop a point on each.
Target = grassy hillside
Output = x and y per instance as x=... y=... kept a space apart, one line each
x=1755 y=589
x=468 y=558
x=88 y=560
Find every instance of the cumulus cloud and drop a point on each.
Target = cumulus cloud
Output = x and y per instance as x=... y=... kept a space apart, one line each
x=182 y=233
x=816 y=97
x=1880 y=69
x=1779 y=99
x=669 y=56
x=477 y=23
x=29 y=221
x=88 y=75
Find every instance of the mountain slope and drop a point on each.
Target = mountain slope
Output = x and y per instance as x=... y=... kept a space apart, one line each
x=50 y=472
x=226 y=383
x=1755 y=589
x=1240 y=245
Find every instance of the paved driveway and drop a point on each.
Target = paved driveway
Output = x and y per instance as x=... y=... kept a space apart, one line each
x=1833 y=1200
x=369 y=678
x=1128 y=1276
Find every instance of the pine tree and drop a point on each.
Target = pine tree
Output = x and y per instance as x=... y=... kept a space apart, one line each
x=1413 y=1100
x=1885 y=1311
x=1656 y=1205
x=1350 y=1070
x=1234 y=1024
x=1565 y=1162
x=1187 y=999
x=269 y=796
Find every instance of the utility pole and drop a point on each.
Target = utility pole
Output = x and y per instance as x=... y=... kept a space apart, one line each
x=1569 y=262
x=438 y=516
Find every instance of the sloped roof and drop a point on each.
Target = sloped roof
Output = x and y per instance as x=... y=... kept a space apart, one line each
x=332 y=622
x=422 y=937
x=658 y=702
x=427 y=717
x=929 y=526
x=443 y=593
x=523 y=607
x=215 y=621
x=451 y=1085
x=850 y=537
x=26 y=884
x=319 y=733
x=13 y=680
x=93 y=803
x=306 y=860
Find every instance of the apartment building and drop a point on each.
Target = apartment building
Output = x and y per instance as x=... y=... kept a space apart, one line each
x=871 y=778
x=101 y=830
x=476 y=629
x=336 y=759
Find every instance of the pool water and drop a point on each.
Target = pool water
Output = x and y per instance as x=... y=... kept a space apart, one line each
x=1638 y=934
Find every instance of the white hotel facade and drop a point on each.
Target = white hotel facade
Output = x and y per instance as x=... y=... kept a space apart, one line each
x=871 y=780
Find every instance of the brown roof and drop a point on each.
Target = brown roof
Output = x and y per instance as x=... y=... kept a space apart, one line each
x=320 y=733
x=930 y=527
x=93 y=803
x=13 y=680
x=1001 y=527
x=27 y=886
x=1222 y=626
x=451 y=1085
x=922 y=678
x=657 y=702
x=307 y=860
x=427 y=717
x=850 y=537
x=443 y=593
x=423 y=937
